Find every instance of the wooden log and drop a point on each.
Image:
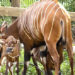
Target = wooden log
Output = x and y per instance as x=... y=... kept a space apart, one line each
x=72 y=14
x=11 y=11
x=15 y=3
x=15 y=11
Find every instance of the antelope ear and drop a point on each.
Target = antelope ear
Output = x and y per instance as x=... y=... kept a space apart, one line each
x=3 y=26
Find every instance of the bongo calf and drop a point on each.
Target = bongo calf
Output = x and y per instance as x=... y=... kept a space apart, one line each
x=10 y=51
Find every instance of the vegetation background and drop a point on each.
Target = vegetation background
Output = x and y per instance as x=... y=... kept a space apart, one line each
x=65 y=67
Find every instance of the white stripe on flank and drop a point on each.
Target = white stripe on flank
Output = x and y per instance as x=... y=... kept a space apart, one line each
x=45 y=12
x=48 y=16
x=36 y=16
x=48 y=6
x=54 y=19
x=37 y=21
x=53 y=23
x=27 y=35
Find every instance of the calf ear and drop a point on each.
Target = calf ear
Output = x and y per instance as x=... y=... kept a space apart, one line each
x=3 y=26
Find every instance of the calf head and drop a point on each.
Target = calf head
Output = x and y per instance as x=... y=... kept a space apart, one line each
x=9 y=48
x=12 y=46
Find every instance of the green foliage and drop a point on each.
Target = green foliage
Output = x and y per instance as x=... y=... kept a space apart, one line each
x=68 y=4
x=65 y=66
x=26 y=3
x=4 y=18
x=5 y=3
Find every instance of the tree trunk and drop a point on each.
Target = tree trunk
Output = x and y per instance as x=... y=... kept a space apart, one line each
x=15 y=3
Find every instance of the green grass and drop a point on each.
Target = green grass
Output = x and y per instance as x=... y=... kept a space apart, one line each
x=65 y=67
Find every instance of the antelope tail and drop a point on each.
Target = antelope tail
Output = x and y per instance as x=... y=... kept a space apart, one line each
x=63 y=32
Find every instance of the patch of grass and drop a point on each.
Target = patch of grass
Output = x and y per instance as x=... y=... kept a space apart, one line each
x=65 y=66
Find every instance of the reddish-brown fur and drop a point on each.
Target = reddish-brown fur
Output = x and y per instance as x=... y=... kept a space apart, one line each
x=12 y=56
x=32 y=28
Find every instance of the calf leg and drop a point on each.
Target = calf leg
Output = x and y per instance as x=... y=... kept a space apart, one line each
x=17 y=66
x=11 y=70
x=36 y=66
x=6 y=72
